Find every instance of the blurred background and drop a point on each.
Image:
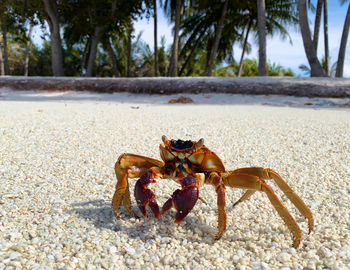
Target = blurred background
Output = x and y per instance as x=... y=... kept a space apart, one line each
x=115 y=38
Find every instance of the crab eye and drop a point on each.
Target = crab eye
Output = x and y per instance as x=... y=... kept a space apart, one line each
x=180 y=144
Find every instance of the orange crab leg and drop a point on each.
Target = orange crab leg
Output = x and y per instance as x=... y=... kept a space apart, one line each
x=245 y=196
x=252 y=182
x=216 y=180
x=130 y=165
x=269 y=174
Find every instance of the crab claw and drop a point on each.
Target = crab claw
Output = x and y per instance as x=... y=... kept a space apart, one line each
x=144 y=196
x=183 y=200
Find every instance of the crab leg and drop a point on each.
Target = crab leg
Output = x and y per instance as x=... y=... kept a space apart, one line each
x=253 y=182
x=245 y=196
x=268 y=174
x=216 y=180
x=130 y=165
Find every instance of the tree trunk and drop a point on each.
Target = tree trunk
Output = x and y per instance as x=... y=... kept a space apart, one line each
x=325 y=29
x=2 y=69
x=93 y=49
x=317 y=23
x=56 y=47
x=156 y=69
x=128 y=48
x=85 y=56
x=95 y=39
x=243 y=50
x=26 y=59
x=214 y=50
x=6 y=57
x=287 y=86
x=315 y=66
x=114 y=7
x=262 y=37
x=174 y=54
x=112 y=58
x=344 y=38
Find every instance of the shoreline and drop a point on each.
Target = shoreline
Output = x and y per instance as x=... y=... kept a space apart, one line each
x=161 y=99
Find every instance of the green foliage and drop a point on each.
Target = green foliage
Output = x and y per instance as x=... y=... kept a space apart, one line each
x=78 y=19
x=250 y=68
x=72 y=61
x=277 y=70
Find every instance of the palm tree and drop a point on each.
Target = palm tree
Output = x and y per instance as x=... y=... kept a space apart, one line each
x=194 y=28
x=52 y=18
x=198 y=29
x=278 y=14
x=112 y=57
x=4 y=31
x=26 y=59
x=262 y=37
x=321 y=4
x=156 y=69
x=317 y=23
x=344 y=38
x=215 y=24
x=8 y=23
x=130 y=29
x=307 y=71
x=325 y=29
x=179 y=6
x=2 y=68
x=95 y=39
x=199 y=33
x=245 y=43
x=218 y=32
x=99 y=29
x=316 y=68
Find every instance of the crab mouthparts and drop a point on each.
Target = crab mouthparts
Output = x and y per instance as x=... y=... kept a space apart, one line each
x=180 y=144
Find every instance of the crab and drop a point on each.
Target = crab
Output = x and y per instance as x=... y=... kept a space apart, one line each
x=192 y=164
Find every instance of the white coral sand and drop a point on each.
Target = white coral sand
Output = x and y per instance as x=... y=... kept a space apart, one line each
x=57 y=180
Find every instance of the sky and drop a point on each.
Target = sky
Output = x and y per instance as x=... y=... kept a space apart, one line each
x=279 y=51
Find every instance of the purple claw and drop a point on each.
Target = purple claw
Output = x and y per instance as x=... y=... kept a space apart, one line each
x=144 y=196
x=183 y=200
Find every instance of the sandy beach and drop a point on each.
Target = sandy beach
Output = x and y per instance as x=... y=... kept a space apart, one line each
x=57 y=156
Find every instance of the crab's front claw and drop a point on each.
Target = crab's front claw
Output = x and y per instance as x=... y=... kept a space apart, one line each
x=183 y=200
x=144 y=196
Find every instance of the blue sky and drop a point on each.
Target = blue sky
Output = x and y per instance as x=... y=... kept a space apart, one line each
x=278 y=51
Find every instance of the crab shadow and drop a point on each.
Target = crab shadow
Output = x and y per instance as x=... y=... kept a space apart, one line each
x=100 y=213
